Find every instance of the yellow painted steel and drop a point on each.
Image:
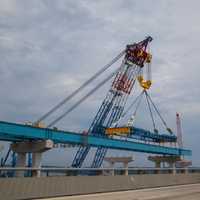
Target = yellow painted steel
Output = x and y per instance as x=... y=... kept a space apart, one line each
x=118 y=131
x=146 y=84
x=144 y=54
x=39 y=125
x=148 y=58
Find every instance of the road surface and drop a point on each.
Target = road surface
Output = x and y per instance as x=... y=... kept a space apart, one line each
x=181 y=192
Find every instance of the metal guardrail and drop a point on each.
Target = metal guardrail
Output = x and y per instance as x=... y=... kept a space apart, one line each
x=54 y=171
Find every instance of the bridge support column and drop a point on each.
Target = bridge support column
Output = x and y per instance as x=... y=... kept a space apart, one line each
x=170 y=160
x=126 y=168
x=172 y=165
x=34 y=147
x=186 y=170
x=124 y=160
x=37 y=158
x=112 y=170
x=21 y=162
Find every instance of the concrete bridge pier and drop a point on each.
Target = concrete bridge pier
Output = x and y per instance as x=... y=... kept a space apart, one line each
x=170 y=160
x=21 y=162
x=34 y=147
x=173 y=166
x=124 y=160
x=36 y=162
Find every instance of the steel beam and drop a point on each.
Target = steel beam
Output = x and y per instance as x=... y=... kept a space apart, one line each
x=12 y=131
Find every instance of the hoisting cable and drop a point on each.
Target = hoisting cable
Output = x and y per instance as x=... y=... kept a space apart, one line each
x=138 y=103
x=131 y=120
x=83 y=98
x=80 y=88
x=151 y=114
x=158 y=112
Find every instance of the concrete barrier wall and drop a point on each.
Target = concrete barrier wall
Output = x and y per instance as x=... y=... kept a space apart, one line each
x=29 y=188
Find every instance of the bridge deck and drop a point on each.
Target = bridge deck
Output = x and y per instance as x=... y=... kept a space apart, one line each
x=19 y=132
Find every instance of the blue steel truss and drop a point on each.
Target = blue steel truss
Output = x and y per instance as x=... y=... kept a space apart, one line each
x=19 y=132
x=109 y=112
x=142 y=134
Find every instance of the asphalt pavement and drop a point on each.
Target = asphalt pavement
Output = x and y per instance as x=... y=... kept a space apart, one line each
x=181 y=192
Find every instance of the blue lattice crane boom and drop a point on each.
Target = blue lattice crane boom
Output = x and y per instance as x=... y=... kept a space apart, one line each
x=111 y=109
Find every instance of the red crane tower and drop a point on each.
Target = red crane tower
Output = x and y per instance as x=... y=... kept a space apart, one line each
x=179 y=131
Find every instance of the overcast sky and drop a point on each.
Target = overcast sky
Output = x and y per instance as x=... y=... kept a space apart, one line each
x=48 y=48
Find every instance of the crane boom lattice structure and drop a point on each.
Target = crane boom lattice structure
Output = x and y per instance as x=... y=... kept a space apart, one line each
x=112 y=107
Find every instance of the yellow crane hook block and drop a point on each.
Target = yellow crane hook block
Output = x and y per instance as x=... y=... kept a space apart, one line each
x=146 y=84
